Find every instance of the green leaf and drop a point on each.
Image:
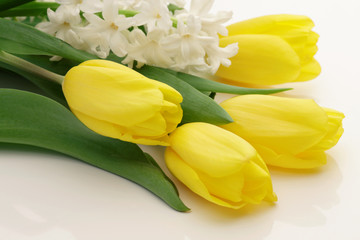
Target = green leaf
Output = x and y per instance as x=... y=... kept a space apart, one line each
x=197 y=106
x=7 y=4
x=9 y=79
x=204 y=85
x=19 y=48
x=30 y=9
x=37 y=40
x=52 y=89
x=31 y=119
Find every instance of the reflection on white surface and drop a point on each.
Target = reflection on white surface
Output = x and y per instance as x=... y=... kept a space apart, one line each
x=317 y=190
x=51 y=234
x=28 y=213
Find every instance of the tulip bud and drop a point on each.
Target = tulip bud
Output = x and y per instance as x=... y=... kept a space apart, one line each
x=115 y=101
x=218 y=165
x=287 y=132
x=273 y=49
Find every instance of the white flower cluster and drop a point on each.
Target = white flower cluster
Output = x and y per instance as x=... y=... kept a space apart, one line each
x=145 y=31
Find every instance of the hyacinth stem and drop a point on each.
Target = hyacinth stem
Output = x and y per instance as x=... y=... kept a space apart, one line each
x=30 y=67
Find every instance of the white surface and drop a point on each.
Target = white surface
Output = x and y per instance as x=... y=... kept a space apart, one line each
x=45 y=196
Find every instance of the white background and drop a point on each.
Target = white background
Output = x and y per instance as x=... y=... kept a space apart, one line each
x=47 y=196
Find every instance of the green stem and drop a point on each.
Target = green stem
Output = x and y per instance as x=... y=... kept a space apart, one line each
x=30 y=67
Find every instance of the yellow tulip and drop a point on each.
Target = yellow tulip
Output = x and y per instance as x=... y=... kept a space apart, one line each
x=287 y=132
x=218 y=165
x=115 y=101
x=273 y=49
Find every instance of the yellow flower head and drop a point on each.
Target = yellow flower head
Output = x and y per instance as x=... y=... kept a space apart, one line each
x=115 y=101
x=218 y=165
x=273 y=49
x=287 y=132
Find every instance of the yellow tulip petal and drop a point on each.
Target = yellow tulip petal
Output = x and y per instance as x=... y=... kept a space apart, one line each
x=292 y=29
x=162 y=141
x=261 y=59
x=173 y=119
x=100 y=126
x=257 y=186
x=335 y=130
x=190 y=178
x=155 y=126
x=250 y=185
x=303 y=42
x=227 y=155
x=111 y=65
x=92 y=90
x=170 y=94
x=115 y=131
x=271 y=24
x=229 y=187
x=287 y=132
x=259 y=194
x=115 y=101
x=286 y=125
x=210 y=161
x=305 y=160
x=309 y=71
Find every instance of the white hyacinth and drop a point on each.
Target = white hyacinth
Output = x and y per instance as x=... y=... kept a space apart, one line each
x=145 y=31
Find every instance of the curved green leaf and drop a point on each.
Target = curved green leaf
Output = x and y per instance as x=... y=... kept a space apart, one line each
x=7 y=4
x=19 y=48
x=31 y=119
x=197 y=106
x=37 y=40
x=30 y=9
x=204 y=85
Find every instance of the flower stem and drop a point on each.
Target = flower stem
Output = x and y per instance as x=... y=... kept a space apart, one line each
x=30 y=67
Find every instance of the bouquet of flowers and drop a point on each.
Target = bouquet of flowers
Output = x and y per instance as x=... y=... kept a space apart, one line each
x=117 y=73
